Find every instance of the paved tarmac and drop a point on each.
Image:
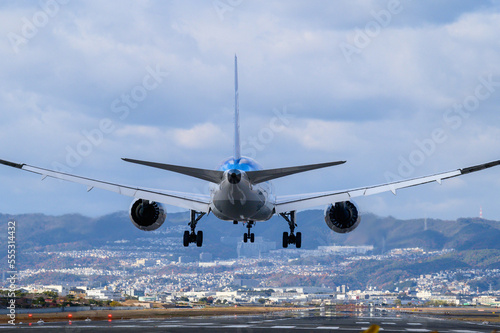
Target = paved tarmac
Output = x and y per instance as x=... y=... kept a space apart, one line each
x=309 y=321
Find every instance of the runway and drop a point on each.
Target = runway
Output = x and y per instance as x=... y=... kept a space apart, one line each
x=310 y=321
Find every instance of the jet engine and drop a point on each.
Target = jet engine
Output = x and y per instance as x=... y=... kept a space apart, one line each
x=342 y=217
x=147 y=215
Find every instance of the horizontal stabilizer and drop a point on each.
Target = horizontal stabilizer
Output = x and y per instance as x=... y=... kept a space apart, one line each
x=213 y=176
x=260 y=176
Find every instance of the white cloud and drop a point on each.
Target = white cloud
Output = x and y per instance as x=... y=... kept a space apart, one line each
x=369 y=112
x=200 y=136
x=327 y=136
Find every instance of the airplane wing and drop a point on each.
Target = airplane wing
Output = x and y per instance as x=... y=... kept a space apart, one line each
x=198 y=202
x=303 y=201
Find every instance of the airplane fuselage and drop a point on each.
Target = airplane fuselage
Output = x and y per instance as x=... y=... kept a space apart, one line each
x=236 y=198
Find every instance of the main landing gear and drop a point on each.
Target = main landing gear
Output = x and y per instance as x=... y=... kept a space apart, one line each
x=249 y=235
x=193 y=236
x=291 y=238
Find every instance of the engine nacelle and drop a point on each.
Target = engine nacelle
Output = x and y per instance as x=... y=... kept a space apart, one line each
x=342 y=217
x=147 y=215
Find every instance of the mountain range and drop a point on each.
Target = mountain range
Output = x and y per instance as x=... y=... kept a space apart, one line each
x=474 y=240
x=384 y=233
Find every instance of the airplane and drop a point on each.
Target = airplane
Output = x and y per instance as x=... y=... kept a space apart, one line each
x=241 y=191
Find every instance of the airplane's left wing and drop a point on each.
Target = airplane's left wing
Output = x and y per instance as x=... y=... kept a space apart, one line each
x=303 y=201
x=198 y=202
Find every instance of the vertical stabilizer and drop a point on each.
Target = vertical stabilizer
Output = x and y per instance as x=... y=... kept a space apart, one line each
x=237 y=154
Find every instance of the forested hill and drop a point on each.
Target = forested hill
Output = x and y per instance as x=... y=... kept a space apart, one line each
x=384 y=233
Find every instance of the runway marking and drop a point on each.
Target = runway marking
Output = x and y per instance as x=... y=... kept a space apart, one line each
x=327 y=328
x=283 y=327
x=386 y=323
x=416 y=324
x=170 y=326
x=417 y=330
x=236 y=326
x=365 y=328
x=363 y=322
x=200 y=324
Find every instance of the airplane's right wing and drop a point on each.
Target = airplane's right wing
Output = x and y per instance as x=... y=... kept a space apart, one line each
x=303 y=201
x=198 y=202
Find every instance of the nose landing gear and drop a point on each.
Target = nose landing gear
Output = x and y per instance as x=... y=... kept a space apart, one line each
x=249 y=235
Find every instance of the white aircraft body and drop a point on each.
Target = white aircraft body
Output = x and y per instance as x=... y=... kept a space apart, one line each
x=241 y=192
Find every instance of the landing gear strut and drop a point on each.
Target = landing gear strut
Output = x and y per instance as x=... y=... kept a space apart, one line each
x=249 y=235
x=291 y=238
x=193 y=236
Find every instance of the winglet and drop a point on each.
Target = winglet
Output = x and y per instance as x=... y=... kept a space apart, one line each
x=12 y=164
x=237 y=153
x=479 y=167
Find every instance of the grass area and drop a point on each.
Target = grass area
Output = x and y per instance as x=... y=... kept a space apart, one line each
x=143 y=314
x=491 y=315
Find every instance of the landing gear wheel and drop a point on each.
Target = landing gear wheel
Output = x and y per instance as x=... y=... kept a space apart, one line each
x=199 y=238
x=186 y=238
x=245 y=238
x=285 y=239
x=298 y=240
x=252 y=237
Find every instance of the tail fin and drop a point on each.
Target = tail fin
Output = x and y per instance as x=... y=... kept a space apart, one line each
x=237 y=153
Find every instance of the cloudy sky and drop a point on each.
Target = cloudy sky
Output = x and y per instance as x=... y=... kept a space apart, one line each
x=397 y=88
